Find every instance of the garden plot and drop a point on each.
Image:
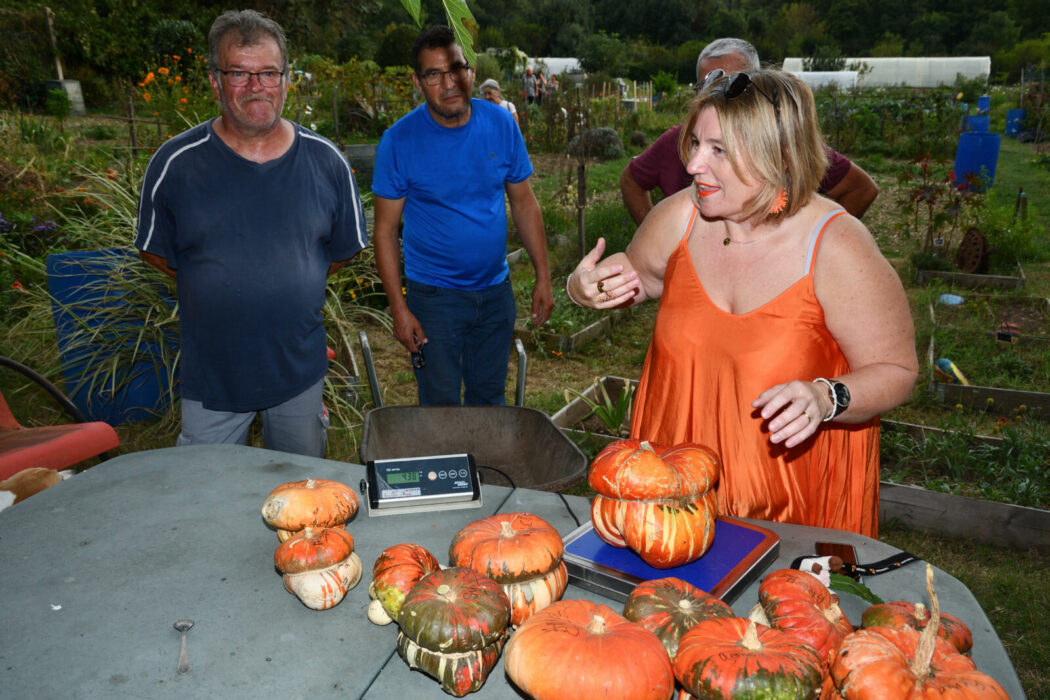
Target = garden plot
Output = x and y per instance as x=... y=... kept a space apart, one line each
x=1007 y=367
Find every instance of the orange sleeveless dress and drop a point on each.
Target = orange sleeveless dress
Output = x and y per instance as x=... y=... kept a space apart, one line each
x=704 y=368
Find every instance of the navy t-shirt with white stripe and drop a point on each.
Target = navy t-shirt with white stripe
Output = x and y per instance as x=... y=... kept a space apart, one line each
x=251 y=244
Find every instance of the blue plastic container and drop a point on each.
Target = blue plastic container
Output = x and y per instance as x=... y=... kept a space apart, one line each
x=975 y=160
x=977 y=123
x=79 y=283
x=984 y=103
x=1014 y=121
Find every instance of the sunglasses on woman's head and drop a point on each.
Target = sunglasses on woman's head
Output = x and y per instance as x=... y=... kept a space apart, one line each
x=737 y=84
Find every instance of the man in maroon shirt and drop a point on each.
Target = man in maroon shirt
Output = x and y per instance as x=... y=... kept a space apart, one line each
x=661 y=166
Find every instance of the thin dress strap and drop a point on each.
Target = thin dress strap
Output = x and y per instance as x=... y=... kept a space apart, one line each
x=689 y=223
x=814 y=238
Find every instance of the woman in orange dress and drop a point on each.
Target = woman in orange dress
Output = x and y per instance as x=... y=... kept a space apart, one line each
x=782 y=331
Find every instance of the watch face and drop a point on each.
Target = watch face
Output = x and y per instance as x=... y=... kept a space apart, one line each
x=841 y=396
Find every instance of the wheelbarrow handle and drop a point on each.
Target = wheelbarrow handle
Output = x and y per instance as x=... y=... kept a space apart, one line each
x=519 y=392
x=370 y=368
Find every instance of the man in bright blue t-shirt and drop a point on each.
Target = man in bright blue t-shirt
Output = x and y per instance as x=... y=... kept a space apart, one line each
x=448 y=166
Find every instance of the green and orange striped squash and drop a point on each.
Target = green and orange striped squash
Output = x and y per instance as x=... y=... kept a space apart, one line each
x=657 y=501
x=917 y=616
x=520 y=551
x=395 y=571
x=669 y=607
x=797 y=602
x=453 y=626
x=733 y=657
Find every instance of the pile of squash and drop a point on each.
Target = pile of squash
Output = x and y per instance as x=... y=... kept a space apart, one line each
x=453 y=622
x=316 y=556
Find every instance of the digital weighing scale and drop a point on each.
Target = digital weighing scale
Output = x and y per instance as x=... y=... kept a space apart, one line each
x=739 y=553
x=421 y=484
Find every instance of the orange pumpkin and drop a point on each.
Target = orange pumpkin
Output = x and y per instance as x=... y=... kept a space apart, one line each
x=900 y=662
x=316 y=503
x=669 y=607
x=319 y=566
x=917 y=616
x=732 y=657
x=521 y=552
x=656 y=501
x=396 y=570
x=797 y=602
x=580 y=649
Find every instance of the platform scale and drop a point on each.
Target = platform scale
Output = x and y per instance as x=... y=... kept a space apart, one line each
x=739 y=554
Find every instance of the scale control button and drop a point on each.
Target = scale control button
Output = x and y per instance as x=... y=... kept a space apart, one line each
x=463 y=473
x=434 y=475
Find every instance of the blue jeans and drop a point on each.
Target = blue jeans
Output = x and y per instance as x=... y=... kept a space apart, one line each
x=468 y=332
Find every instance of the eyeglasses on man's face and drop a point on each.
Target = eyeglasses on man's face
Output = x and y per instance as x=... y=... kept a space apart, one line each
x=240 y=78
x=437 y=77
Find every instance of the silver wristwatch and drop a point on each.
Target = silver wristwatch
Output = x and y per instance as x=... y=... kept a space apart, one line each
x=839 y=394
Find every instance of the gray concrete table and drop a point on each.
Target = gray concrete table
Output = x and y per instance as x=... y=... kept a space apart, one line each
x=95 y=570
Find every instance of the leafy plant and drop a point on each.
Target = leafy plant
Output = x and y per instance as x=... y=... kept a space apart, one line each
x=613 y=413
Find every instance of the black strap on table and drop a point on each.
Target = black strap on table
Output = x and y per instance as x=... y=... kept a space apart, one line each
x=880 y=567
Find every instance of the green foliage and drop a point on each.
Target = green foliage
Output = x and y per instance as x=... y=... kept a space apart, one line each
x=664 y=82
x=932 y=205
x=24 y=50
x=613 y=413
x=59 y=105
x=174 y=36
x=971 y=88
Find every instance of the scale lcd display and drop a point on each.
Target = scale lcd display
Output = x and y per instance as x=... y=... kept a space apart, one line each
x=402 y=478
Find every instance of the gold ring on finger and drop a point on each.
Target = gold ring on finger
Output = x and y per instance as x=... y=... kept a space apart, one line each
x=601 y=286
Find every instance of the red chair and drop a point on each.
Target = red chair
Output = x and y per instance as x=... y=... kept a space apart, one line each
x=54 y=446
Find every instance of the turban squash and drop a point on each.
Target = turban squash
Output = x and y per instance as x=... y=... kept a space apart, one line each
x=316 y=503
x=901 y=662
x=657 y=501
x=669 y=607
x=917 y=616
x=797 y=602
x=521 y=552
x=733 y=657
x=580 y=649
x=396 y=570
x=319 y=566
x=453 y=625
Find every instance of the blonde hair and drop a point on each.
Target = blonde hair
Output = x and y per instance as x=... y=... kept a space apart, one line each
x=791 y=157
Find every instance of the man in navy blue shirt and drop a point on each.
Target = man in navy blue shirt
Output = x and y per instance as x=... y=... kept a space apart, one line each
x=250 y=213
x=449 y=166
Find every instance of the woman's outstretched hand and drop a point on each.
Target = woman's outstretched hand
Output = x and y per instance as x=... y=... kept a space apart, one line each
x=602 y=285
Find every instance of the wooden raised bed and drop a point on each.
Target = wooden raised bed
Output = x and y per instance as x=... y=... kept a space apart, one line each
x=985 y=398
x=524 y=331
x=972 y=280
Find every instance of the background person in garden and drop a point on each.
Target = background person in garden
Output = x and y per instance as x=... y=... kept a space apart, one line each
x=490 y=91
x=250 y=213
x=782 y=332
x=660 y=165
x=449 y=166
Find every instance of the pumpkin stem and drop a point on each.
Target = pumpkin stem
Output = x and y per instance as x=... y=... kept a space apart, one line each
x=444 y=589
x=833 y=614
x=311 y=484
x=920 y=612
x=505 y=530
x=685 y=604
x=920 y=665
x=750 y=640
x=646 y=446
x=596 y=625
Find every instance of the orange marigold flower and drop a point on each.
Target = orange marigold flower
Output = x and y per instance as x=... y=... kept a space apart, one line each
x=146 y=96
x=176 y=56
x=170 y=81
x=149 y=78
x=16 y=285
x=178 y=78
x=189 y=50
x=162 y=70
x=142 y=84
x=182 y=100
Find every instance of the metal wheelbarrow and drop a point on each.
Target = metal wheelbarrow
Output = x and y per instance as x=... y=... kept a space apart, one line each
x=512 y=445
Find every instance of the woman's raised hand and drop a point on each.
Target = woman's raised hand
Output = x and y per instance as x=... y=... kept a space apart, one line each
x=602 y=284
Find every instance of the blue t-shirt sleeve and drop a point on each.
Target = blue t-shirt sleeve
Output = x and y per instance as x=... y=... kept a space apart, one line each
x=387 y=182
x=156 y=226
x=349 y=226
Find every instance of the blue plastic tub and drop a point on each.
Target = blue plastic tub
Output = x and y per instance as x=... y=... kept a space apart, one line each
x=977 y=123
x=975 y=160
x=984 y=103
x=79 y=283
x=1014 y=121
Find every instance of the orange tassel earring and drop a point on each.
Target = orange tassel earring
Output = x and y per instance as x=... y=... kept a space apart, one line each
x=780 y=203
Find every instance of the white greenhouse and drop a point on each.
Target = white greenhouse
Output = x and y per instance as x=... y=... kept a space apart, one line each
x=910 y=72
